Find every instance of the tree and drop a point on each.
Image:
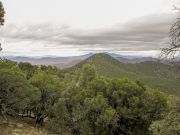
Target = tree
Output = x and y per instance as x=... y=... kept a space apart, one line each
x=15 y=91
x=50 y=88
x=28 y=69
x=58 y=117
x=100 y=117
x=88 y=74
x=108 y=107
x=136 y=106
x=2 y=12
x=170 y=124
x=173 y=51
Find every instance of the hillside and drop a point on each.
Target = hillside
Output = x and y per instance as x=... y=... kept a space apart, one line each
x=153 y=74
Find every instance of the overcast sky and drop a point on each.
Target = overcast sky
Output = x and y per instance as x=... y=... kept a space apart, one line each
x=76 y=27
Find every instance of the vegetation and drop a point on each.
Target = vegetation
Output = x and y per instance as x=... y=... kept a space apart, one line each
x=82 y=102
x=154 y=74
x=90 y=99
x=170 y=124
x=2 y=12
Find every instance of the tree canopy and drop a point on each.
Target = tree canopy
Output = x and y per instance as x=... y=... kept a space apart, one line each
x=2 y=12
x=83 y=103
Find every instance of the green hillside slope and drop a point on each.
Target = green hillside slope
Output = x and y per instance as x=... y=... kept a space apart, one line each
x=153 y=74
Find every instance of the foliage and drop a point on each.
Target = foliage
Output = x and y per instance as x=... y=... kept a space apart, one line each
x=28 y=69
x=107 y=106
x=170 y=124
x=87 y=75
x=137 y=107
x=2 y=12
x=49 y=87
x=15 y=91
x=80 y=102
x=26 y=90
x=153 y=74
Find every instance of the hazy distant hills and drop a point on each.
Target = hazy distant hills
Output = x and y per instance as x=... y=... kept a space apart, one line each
x=131 y=59
x=151 y=73
x=66 y=62
x=136 y=60
x=60 y=62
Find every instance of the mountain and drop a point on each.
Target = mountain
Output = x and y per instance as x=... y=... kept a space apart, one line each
x=60 y=62
x=151 y=73
x=66 y=62
x=131 y=59
x=136 y=59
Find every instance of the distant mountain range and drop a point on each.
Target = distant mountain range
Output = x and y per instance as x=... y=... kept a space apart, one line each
x=60 y=62
x=66 y=62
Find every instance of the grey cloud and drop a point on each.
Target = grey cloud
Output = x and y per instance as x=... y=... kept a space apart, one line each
x=145 y=33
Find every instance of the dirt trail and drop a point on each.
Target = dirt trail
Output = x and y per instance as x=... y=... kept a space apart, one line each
x=15 y=127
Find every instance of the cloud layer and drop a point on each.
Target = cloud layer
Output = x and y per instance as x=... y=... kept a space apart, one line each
x=148 y=33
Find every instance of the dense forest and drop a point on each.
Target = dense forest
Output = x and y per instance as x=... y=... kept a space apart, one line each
x=89 y=100
x=82 y=102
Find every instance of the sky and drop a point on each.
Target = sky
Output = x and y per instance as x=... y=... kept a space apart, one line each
x=76 y=27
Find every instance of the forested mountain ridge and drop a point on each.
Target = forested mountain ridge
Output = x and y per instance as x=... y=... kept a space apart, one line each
x=154 y=74
x=82 y=102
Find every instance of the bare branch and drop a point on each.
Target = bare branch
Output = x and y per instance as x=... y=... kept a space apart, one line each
x=176 y=8
x=172 y=53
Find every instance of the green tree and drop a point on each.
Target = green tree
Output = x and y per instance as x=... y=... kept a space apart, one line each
x=102 y=117
x=15 y=91
x=94 y=116
x=59 y=117
x=7 y=64
x=136 y=106
x=170 y=124
x=2 y=12
x=88 y=74
x=50 y=88
x=99 y=84
x=109 y=107
x=10 y=71
x=28 y=69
